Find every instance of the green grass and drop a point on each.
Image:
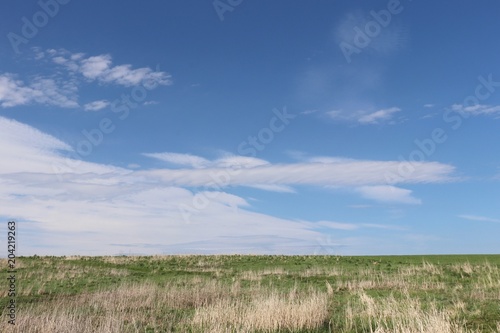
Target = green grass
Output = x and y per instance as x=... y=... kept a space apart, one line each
x=467 y=287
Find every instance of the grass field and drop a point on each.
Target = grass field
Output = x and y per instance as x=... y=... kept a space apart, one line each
x=255 y=294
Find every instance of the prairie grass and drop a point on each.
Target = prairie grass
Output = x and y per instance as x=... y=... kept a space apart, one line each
x=268 y=312
x=402 y=314
x=197 y=294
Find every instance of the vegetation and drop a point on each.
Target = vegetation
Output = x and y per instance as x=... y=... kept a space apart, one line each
x=255 y=294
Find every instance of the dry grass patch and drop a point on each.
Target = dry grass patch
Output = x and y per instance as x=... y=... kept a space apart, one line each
x=463 y=268
x=425 y=269
x=402 y=315
x=128 y=308
x=383 y=281
x=267 y=313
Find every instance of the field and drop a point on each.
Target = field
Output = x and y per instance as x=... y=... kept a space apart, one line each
x=255 y=294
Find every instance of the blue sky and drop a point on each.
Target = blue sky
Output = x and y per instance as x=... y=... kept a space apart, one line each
x=241 y=126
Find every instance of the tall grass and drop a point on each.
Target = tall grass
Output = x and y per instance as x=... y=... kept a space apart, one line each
x=206 y=294
x=403 y=314
x=267 y=312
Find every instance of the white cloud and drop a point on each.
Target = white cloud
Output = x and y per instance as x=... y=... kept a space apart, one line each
x=61 y=87
x=74 y=206
x=478 y=109
x=47 y=91
x=13 y=92
x=180 y=159
x=362 y=116
x=38 y=53
x=95 y=67
x=272 y=188
x=25 y=149
x=126 y=76
x=96 y=207
x=382 y=226
x=429 y=115
x=68 y=63
x=236 y=161
x=337 y=114
x=55 y=92
x=328 y=159
x=479 y=218
x=429 y=105
x=377 y=116
x=337 y=225
x=307 y=112
x=96 y=105
x=316 y=172
x=228 y=161
x=388 y=193
x=101 y=68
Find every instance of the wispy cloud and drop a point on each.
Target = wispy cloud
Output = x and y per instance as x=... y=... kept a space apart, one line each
x=180 y=159
x=429 y=115
x=101 y=68
x=479 y=218
x=388 y=193
x=96 y=105
x=197 y=162
x=13 y=92
x=106 y=205
x=272 y=188
x=478 y=109
x=382 y=226
x=362 y=116
x=319 y=171
x=61 y=87
x=112 y=209
x=337 y=225
x=47 y=91
x=26 y=150
x=377 y=116
x=307 y=112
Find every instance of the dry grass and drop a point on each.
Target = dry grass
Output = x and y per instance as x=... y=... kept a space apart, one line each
x=463 y=269
x=426 y=268
x=218 y=309
x=401 y=315
x=267 y=313
x=123 y=309
x=412 y=298
x=386 y=281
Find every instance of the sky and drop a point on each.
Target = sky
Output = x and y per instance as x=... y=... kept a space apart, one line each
x=252 y=127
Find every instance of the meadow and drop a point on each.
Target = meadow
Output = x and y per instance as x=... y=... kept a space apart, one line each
x=250 y=293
